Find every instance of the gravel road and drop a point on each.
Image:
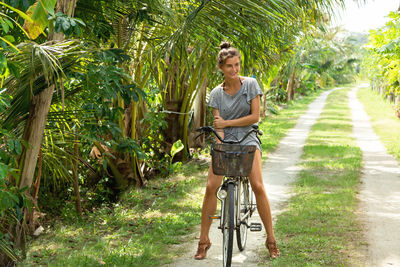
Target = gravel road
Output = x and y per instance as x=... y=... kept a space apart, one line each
x=379 y=196
x=278 y=172
x=380 y=192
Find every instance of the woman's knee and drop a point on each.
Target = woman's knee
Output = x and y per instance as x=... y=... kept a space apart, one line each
x=258 y=188
x=213 y=182
x=212 y=186
x=256 y=175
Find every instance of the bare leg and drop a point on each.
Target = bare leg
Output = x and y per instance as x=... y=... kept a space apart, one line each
x=209 y=204
x=263 y=206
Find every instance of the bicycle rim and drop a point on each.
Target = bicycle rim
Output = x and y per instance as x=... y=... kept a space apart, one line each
x=243 y=207
x=229 y=217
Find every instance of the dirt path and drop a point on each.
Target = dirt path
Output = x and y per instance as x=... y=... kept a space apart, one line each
x=278 y=172
x=380 y=193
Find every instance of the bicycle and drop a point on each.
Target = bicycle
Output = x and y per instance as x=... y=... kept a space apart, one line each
x=234 y=162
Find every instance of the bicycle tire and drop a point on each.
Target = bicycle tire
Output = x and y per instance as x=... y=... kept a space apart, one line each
x=228 y=226
x=243 y=207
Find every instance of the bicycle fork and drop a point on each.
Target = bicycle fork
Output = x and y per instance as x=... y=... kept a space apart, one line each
x=222 y=195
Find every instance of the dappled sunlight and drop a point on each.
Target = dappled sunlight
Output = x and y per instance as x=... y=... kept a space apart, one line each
x=380 y=112
x=154 y=214
x=99 y=102
x=45 y=248
x=281 y=167
x=381 y=167
x=321 y=210
x=122 y=233
x=70 y=231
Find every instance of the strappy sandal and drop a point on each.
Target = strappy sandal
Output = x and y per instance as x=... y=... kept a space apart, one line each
x=202 y=250
x=273 y=249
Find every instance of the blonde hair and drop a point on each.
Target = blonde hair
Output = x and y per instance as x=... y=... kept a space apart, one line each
x=227 y=51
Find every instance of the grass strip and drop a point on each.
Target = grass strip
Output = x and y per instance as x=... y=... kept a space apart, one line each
x=141 y=229
x=276 y=126
x=319 y=227
x=134 y=232
x=383 y=119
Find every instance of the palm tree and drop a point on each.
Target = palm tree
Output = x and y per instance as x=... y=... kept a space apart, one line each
x=172 y=44
x=182 y=61
x=131 y=28
x=33 y=91
x=260 y=29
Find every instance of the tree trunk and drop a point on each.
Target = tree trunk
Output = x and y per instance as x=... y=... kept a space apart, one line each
x=75 y=179
x=38 y=176
x=33 y=133
x=290 y=86
x=172 y=133
x=397 y=101
x=382 y=90
x=391 y=97
x=34 y=129
x=264 y=105
x=199 y=116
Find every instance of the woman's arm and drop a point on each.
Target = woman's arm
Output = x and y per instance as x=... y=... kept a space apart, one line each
x=220 y=131
x=254 y=117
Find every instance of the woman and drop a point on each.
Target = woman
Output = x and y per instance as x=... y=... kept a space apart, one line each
x=236 y=107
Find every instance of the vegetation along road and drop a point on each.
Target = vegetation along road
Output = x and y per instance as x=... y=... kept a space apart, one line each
x=100 y=99
x=377 y=224
x=380 y=193
x=278 y=172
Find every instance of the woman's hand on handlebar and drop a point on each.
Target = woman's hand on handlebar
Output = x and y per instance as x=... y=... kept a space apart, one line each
x=219 y=133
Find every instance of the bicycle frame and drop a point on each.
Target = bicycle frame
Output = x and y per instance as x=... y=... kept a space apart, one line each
x=234 y=189
x=237 y=185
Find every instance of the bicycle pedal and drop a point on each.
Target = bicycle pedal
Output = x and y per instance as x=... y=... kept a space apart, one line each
x=255 y=227
x=215 y=217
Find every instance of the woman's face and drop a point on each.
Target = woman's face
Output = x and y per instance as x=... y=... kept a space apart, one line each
x=231 y=67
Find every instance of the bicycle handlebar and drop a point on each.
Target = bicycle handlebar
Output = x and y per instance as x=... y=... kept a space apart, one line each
x=209 y=129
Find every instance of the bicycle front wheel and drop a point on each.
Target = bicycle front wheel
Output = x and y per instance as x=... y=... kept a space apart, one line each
x=243 y=208
x=228 y=226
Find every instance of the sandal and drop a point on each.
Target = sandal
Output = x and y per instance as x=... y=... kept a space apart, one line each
x=273 y=249
x=202 y=250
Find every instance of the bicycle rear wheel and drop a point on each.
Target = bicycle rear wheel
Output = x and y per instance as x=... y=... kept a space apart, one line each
x=243 y=208
x=228 y=226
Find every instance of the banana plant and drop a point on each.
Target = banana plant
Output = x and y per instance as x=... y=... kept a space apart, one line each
x=382 y=63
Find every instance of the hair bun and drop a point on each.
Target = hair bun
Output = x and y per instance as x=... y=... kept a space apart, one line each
x=224 y=45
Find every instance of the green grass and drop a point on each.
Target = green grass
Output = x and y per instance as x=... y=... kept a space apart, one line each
x=383 y=119
x=134 y=232
x=141 y=229
x=275 y=127
x=319 y=226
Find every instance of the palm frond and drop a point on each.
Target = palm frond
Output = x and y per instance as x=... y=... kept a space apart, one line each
x=41 y=66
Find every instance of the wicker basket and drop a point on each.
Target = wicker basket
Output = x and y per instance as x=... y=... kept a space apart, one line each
x=232 y=160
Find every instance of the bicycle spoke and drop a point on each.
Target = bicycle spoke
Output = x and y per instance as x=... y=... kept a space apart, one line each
x=228 y=226
x=243 y=217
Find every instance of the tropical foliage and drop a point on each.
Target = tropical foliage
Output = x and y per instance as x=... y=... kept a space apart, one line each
x=382 y=65
x=98 y=96
x=324 y=57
